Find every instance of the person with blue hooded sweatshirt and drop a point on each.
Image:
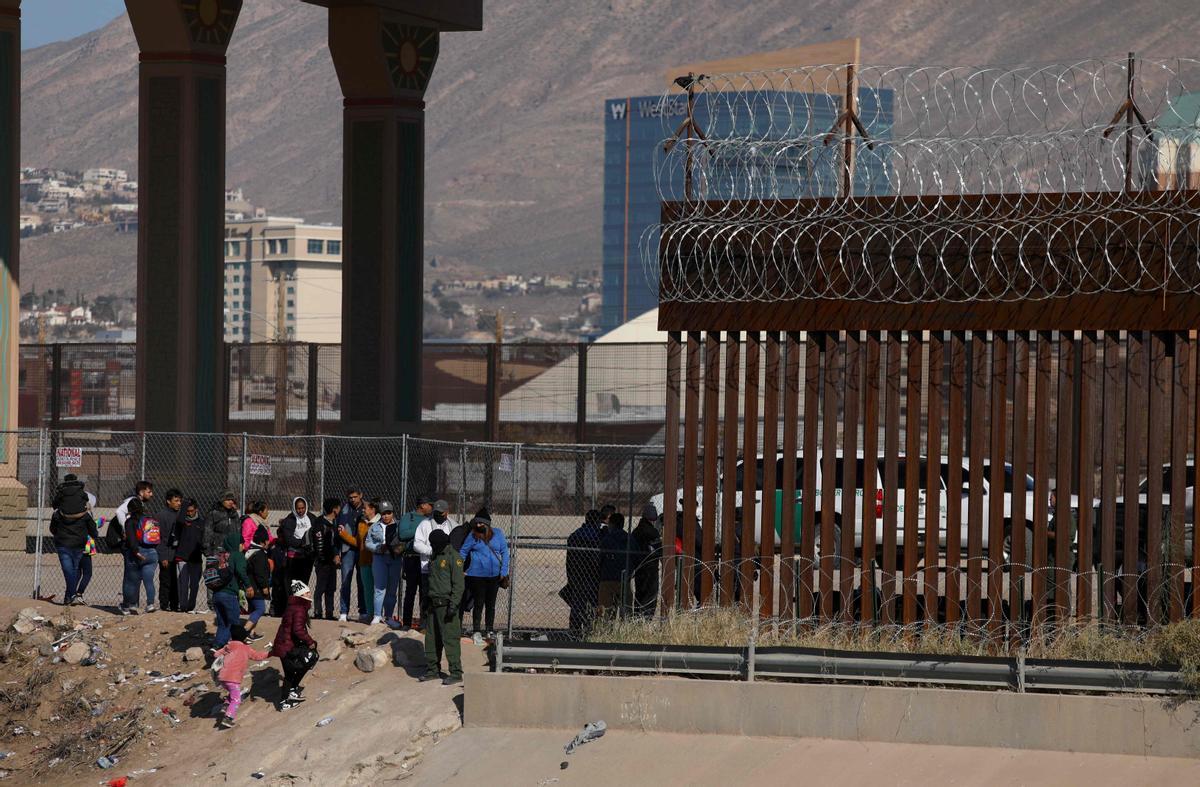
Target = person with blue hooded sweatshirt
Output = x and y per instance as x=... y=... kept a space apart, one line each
x=485 y=553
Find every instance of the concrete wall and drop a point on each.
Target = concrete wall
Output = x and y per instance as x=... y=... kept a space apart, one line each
x=1113 y=725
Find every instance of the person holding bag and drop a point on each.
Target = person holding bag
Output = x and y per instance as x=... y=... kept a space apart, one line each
x=485 y=553
x=386 y=564
x=294 y=646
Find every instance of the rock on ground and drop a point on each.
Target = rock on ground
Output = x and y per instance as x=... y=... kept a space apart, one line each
x=75 y=652
x=194 y=653
x=355 y=638
x=330 y=649
x=371 y=659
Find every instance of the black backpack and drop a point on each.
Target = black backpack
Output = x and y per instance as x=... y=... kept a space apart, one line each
x=114 y=537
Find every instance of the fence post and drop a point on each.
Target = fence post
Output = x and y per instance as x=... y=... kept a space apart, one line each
x=404 y=470
x=245 y=457
x=142 y=477
x=516 y=514
x=55 y=385
x=41 y=497
x=312 y=389
x=594 y=479
x=462 y=479
x=322 y=469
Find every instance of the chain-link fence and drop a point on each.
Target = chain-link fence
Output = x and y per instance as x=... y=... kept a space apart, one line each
x=566 y=567
x=536 y=496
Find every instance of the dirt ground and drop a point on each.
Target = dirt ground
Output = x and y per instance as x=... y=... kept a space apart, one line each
x=384 y=723
x=501 y=757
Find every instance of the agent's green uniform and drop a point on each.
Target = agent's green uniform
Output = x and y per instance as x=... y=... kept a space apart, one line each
x=444 y=627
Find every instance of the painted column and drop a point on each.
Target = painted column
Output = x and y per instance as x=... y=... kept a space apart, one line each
x=13 y=495
x=10 y=236
x=384 y=61
x=181 y=211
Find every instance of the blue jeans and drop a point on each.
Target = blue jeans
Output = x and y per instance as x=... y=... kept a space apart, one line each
x=77 y=570
x=139 y=572
x=228 y=615
x=348 y=561
x=258 y=608
x=386 y=570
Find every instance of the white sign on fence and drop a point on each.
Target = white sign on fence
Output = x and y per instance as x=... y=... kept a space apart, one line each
x=68 y=457
x=505 y=463
x=260 y=464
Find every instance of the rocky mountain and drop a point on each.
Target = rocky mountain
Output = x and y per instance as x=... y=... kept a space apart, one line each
x=515 y=130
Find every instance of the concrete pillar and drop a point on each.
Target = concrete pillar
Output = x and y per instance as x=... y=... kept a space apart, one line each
x=181 y=211
x=384 y=52
x=13 y=497
x=10 y=236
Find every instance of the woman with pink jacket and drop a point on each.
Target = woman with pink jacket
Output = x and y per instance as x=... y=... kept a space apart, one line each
x=256 y=515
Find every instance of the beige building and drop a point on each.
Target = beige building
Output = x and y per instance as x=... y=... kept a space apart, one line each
x=283 y=279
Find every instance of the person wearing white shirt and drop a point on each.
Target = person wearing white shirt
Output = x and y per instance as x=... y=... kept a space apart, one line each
x=439 y=519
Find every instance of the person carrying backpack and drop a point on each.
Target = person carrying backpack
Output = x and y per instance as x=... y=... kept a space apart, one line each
x=235 y=659
x=294 y=646
x=143 y=536
x=75 y=537
x=114 y=537
x=258 y=569
x=225 y=575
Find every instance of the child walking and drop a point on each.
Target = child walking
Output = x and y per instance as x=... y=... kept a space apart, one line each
x=294 y=646
x=236 y=658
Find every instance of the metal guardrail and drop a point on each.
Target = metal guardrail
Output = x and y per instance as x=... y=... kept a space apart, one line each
x=749 y=663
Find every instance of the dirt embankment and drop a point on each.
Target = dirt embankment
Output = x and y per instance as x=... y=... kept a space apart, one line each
x=78 y=683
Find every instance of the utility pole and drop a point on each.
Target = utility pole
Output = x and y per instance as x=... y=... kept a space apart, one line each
x=281 y=352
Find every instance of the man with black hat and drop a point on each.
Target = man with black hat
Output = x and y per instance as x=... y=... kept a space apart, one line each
x=406 y=532
x=438 y=519
x=445 y=591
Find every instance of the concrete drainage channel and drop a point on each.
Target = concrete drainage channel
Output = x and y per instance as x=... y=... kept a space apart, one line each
x=1017 y=674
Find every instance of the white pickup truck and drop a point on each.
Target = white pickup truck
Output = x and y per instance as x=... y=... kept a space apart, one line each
x=901 y=499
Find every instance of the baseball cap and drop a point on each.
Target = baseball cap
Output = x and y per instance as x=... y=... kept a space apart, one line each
x=441 y=506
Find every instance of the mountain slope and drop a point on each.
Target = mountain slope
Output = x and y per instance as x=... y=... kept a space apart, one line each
x=515 y=131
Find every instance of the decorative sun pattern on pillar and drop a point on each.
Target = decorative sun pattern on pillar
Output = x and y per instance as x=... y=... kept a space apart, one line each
x=411 y=52
x=210 y=21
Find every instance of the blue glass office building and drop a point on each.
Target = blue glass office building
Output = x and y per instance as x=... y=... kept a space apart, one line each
x=634 y=132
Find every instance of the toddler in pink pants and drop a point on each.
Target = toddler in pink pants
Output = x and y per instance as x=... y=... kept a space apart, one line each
x=236 y=658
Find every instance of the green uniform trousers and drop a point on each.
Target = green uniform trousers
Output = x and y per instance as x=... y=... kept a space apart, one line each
x=441 y=635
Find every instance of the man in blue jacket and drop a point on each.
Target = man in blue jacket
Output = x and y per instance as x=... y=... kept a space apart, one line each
x=583 y=573
x=347 y=531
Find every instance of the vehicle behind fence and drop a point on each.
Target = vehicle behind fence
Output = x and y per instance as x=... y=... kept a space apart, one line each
x=539 y=497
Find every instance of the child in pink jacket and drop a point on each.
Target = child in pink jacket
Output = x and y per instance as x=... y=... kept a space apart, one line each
x=237 y=655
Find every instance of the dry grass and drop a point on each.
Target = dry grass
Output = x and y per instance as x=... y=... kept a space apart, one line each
x=25 y=693
x=1177 y=644
x=81 y=748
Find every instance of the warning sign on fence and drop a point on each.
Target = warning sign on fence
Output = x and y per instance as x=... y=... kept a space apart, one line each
x=68 y=457
x=505 y=463
x=260 y=464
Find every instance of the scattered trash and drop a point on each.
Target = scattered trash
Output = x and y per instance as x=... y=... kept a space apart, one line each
x=18 y=731
x=325 y=721
x=4 y=755
x=107 y=762
x=120 y=781
x=257 y=775
x=168 y=713
x=158 y=677
x=544 y=782
x=591 y=731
